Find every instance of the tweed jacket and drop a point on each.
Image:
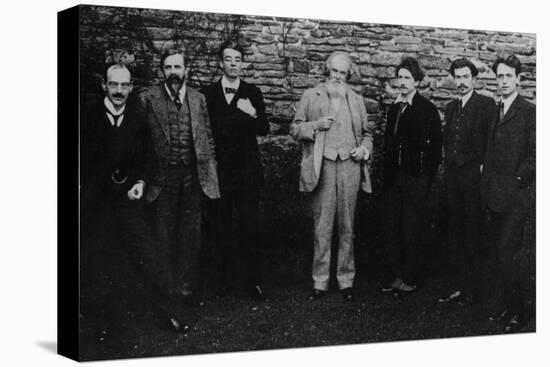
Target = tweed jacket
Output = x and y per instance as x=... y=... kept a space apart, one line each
x=154 y=104
x=313 y=105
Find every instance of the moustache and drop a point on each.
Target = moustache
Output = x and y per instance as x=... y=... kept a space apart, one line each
x=462 y=86
x=118 y=95
x=173 y=78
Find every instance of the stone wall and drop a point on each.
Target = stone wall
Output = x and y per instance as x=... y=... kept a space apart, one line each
x=284 y=57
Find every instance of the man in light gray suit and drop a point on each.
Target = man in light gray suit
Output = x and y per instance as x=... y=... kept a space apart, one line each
x=331 y=123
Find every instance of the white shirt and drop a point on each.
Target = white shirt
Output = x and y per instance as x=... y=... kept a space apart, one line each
x=181 y=93
x=508 y=101
x=226 y=83
x=466 y=98
x=113 y=112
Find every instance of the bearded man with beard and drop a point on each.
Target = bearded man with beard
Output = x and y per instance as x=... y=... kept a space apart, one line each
x=185 y=173
x=336 y=137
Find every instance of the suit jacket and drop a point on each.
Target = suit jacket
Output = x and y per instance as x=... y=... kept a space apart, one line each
x=130 y=153
x=511 y=154
x=416 y=148
x=239 y=160
x=478 y=113
x=154 y=104
x=313 y=105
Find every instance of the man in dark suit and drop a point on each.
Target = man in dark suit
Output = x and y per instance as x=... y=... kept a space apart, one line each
x=508 y=186
x=237 y=113
x=185 y=174
x=465 y=139
x=412 y=153
x=115 y=166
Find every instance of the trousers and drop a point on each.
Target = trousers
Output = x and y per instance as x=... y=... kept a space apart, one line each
x=335 y=199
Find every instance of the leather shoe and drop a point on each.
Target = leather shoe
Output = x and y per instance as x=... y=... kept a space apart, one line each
x=515 y=323
x=501 y=316
x=316 y=294
x=450 y=298
x=347 y=294
x=175 y=325
x=258 y=294
x=404 y=290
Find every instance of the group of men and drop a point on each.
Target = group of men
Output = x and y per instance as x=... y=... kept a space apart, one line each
x=149 y=164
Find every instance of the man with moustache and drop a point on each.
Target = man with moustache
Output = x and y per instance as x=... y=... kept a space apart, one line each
x=186 y=173
x=336 y=137
x=237 y=114
x=115 y=166
x=467 y=121
x=508 y=187
x=412 y=153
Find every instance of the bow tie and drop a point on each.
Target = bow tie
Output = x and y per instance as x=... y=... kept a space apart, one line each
x=230 y=90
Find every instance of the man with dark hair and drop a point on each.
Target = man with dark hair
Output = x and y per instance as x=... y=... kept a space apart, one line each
x=237 y=114
x=508 y=186
x=412 y=153
x=336 y=136
x=116 y=157
x=186 y=173
x=467 y=121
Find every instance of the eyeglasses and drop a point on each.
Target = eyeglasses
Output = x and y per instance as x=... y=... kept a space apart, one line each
x=114 y=85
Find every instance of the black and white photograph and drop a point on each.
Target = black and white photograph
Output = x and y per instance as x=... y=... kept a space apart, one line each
x=234 y=179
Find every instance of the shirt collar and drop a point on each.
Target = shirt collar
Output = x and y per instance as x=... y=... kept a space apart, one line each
x=181 y=93
x=408 y=99
x=466 y=98
x=226 y=83
x=508 y=101
x=111 y=108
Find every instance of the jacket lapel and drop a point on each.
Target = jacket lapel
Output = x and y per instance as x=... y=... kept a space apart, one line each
x=159 y=103
x=511 y=111
x=194 y=111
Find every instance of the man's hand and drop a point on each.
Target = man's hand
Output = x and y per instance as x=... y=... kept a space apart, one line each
x=136 y=192
x=360 y=153
x=324 y=123
x=245 y=106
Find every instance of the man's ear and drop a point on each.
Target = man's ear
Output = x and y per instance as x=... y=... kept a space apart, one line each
x=103 y=85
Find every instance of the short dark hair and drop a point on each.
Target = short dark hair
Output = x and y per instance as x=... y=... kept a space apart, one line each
x=170 y=53
x=463 y=63
x=412 y=65
x=511 y=61
x=115 y=65
x=230 y=44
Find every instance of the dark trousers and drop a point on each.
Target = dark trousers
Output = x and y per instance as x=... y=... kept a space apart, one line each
x=178 y=224
x=506 y=233
x=402 y=220
x=237 y=236
x=464 y=224
x=116 y=253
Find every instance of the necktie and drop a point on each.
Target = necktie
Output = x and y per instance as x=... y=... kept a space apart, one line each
x=400 y=110
x=116 y=120
x=177 y=102
x=460 y=107
x=230 y=90
x=500 y=111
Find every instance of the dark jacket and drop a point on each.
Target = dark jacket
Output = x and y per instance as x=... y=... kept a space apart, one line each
x=471 y=132
x=239 y=161
x=508 y=179
x=416 y=148
x=107 y=152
